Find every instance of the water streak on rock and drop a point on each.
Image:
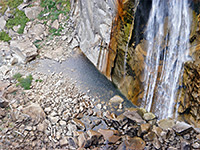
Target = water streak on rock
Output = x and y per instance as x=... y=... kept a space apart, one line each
x=167 y=33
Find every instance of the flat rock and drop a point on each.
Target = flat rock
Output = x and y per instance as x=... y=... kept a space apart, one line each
x=133 y=115
x=35 y=112
x=166 y=123
x=32 y=12
x=25 y=50
x=107 y=133
x=116 y=99
x=182 y=128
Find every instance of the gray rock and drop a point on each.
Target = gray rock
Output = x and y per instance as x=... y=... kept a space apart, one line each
x=24 y=50
x=54 y=120
x=94 y=21
x=71 y=128
x=133 y=115
x=63 y=142
x=182 y=128
x=32 y=12
x=36 y=31
x=166 y=123
x=55 y=24
x=4 y=69
x=2 y=23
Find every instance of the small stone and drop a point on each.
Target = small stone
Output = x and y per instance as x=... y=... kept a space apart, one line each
x=64 y=37
x=149 y=136
x=116 y=99
x=99 y=106
x=113 y=139
x=28 y=128
x=185 y=145
x=55 y=24
x=149 y=116
x=196 y=145
x=71 y=128
x=62 y=123
x=54 y=120
x=144 y=128
x=3 y=104
x=107 y=133
x=16 y=28
x=79 y=124
x=120 y=106
x=47 y=110
x=94 y=136
x=13 y=61
x=156 y=143
x=63 y=142
x=41 y=126
x=4 y=69
x=135 y=143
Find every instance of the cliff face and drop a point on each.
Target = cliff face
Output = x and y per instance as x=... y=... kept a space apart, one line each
x=93 y=25
x=111 y=34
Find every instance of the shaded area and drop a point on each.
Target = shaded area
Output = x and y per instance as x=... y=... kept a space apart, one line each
x=85 y=75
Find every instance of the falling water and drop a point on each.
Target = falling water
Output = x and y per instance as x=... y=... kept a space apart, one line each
x=167 y=33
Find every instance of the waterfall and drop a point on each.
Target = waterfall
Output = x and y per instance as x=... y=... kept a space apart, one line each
x=167 y=35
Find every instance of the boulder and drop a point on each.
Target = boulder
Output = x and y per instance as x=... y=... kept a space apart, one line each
x=166 y=123
x=35 y=112
x=134 y=116
x=24 y=50
x=32 y=12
